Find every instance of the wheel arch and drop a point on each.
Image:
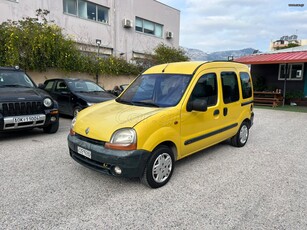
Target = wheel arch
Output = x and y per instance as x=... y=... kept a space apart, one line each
x=171 y=145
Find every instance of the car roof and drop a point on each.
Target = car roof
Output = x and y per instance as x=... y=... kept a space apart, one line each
x=68 y=79
x=16 y=68
x=189 y=67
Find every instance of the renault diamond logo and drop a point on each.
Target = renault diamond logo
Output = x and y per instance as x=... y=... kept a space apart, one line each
x=87 y=130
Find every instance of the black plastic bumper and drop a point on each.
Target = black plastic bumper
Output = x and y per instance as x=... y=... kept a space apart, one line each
x=131 y=163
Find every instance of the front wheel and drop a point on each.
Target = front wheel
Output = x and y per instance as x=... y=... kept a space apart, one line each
x=52 y=128
x=159 y=168
x=240 y=139
x=76 y=110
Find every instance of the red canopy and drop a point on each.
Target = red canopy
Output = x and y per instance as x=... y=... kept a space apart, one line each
x=273 y=58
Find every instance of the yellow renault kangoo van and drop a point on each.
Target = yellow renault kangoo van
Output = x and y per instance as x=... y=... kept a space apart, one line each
x=167 y=113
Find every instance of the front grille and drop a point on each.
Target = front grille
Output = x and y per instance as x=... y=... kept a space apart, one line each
x=21 y=108
x=90 y=140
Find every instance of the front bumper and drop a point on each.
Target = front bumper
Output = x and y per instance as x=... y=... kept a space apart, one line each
x=131 y=163
x=28 y=121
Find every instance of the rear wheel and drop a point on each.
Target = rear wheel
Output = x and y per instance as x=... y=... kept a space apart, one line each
x=159 y=168
x=240 y=139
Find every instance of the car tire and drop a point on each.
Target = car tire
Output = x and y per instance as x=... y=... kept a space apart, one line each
x=52 y=128
x=159 y=168
x=76 y=110
x=240 y=139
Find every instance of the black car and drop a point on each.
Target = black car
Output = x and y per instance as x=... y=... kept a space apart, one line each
x=23 y=105
x=74 y=95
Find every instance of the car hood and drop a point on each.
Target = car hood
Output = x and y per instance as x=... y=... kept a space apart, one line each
x=102 y=120
x=20 y=94
x=94 y=97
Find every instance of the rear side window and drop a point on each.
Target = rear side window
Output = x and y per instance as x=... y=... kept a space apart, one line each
x=61 y=86
x=230 y=87
x=246 y=85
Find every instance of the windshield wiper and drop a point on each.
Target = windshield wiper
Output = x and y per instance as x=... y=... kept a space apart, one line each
x=123 y=101
x=15 y=85
x=145 y=103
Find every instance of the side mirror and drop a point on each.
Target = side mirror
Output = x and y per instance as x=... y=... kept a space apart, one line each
x=41 y=86
x=197 y=105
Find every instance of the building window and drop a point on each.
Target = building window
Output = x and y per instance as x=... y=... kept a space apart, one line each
x=148 y=27
x=87 y=10
x=70 y=7
x=292 y=71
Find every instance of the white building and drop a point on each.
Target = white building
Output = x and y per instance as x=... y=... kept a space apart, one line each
x=285 y=41
x=127 y=28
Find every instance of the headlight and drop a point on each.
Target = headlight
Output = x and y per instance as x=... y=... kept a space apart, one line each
x=123 y=139
x=47 y=102
x=90 y=103
x=73 y=122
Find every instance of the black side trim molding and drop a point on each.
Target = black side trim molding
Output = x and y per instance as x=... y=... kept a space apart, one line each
x=195 y=139
x=247 y=103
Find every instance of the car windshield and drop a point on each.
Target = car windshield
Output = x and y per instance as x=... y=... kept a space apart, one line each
x=14 y=79
x=84 y=86
x=158 y=90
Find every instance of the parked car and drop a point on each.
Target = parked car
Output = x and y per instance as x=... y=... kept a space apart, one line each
x=23 y=105
x=169 y=112
x=118 y=89
x=73 y=95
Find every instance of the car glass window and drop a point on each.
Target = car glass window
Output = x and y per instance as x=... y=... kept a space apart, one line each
x=92 y=87
x=161 y=90
x=246 y=85
x=84 y=86
x=15 y=79
x=61 y=87
x=206 y=89
x=230 y=87
x=49 y=85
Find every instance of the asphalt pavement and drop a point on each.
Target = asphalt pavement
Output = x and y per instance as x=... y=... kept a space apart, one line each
x=260 y=186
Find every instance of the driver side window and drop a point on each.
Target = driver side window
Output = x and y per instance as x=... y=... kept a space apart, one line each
x=206 y=89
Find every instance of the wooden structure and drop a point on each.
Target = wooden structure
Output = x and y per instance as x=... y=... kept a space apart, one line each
x=268 y=98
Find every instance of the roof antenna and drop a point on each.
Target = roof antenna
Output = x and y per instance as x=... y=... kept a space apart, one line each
x=165 y=67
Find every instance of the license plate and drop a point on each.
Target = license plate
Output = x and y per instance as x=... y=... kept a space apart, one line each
x=84 y=152
x=26 y=119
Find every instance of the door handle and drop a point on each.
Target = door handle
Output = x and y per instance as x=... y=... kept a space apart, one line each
x=225 y=111
x=216 y=112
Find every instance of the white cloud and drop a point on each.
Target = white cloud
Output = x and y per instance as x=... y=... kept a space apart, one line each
x=215 y=25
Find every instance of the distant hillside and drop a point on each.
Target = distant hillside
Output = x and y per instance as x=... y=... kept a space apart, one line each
x=198 y=55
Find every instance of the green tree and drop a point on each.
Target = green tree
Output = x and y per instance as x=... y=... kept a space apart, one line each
x=39 y=44
x=162 y=54
x=291 y=45
x=36 y=44
x=166 y=54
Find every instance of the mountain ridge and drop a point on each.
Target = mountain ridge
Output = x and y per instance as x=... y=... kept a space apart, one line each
x=199 y=55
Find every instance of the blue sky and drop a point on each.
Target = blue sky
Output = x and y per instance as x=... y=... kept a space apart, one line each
x=218 y=25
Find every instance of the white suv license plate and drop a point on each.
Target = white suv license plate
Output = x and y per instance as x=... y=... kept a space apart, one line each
x=84 y=152
x=26 y=119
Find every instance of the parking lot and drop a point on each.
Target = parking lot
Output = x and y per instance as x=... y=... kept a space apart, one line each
x=260 y=186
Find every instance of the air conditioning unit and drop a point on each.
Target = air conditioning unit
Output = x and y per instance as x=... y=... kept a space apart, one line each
x=169 y=35
x=127 y=23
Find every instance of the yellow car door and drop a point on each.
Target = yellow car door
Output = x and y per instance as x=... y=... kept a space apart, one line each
x=198 y=128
